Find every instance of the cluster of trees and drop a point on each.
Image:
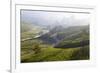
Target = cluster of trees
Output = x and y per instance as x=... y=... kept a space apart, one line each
x=36 y=48
x=72 y=44
x=82 y=53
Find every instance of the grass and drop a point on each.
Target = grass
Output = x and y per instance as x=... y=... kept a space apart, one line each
x=53 y=54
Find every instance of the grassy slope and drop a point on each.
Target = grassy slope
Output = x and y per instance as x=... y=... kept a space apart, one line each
x=49 y=53
x=55 y=54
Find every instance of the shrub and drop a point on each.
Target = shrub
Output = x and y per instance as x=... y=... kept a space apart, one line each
x=36 y=48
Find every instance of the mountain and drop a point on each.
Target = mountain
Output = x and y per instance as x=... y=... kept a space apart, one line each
x=77 y=40
x=58 y=34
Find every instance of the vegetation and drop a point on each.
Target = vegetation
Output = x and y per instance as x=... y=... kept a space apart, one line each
x=60 y=44
x=36 y=48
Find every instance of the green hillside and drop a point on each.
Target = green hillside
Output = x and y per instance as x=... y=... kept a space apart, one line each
x=59 y=44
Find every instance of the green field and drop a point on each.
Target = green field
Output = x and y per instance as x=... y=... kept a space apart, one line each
x=54 y=54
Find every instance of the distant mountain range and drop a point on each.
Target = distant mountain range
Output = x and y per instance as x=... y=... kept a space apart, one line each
x=59 y=34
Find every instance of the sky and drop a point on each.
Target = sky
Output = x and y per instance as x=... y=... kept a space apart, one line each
x=54 y=18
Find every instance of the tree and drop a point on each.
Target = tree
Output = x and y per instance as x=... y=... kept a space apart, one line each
x=36 y=48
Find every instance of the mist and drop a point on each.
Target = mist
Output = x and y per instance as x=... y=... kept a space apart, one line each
x=54 y=18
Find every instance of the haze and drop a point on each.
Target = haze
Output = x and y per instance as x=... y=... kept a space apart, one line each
x=54 y=18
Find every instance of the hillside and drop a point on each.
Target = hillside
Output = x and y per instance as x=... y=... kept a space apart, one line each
x=56 y=44
x=58 y=34
x=75 y=40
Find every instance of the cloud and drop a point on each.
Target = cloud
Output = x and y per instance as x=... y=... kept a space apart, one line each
x=54 y=18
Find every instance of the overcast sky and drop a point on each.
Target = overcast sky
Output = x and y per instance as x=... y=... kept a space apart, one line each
x=54 y=18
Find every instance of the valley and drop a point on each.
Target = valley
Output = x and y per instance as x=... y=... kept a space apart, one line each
x=40 y=44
